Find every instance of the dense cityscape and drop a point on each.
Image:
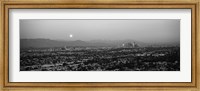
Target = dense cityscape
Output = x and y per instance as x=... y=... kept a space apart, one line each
x=128 y=57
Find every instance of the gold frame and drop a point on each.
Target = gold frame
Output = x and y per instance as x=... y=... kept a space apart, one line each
x=6 y=85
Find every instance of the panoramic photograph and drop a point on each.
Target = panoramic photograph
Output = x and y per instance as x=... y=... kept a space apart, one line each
x=99 y=45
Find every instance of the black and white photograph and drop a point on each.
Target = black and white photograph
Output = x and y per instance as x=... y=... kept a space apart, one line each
x=99 y=44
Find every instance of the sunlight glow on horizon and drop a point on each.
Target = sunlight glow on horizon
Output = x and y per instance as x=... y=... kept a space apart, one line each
x=70 y=35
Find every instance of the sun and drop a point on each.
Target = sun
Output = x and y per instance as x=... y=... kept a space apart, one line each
x=70 y=35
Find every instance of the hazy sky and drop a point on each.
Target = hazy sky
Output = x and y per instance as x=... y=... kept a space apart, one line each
x=86 y=30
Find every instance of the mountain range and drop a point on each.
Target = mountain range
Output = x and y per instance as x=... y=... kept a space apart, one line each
x=47 y=43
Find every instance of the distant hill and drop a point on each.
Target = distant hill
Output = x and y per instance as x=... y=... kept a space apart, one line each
x=40 y=43
x=47 y=43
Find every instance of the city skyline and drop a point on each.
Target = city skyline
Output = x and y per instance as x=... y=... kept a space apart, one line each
x=40 y=49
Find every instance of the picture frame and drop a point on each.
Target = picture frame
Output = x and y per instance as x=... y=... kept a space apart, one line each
x=110 y=86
